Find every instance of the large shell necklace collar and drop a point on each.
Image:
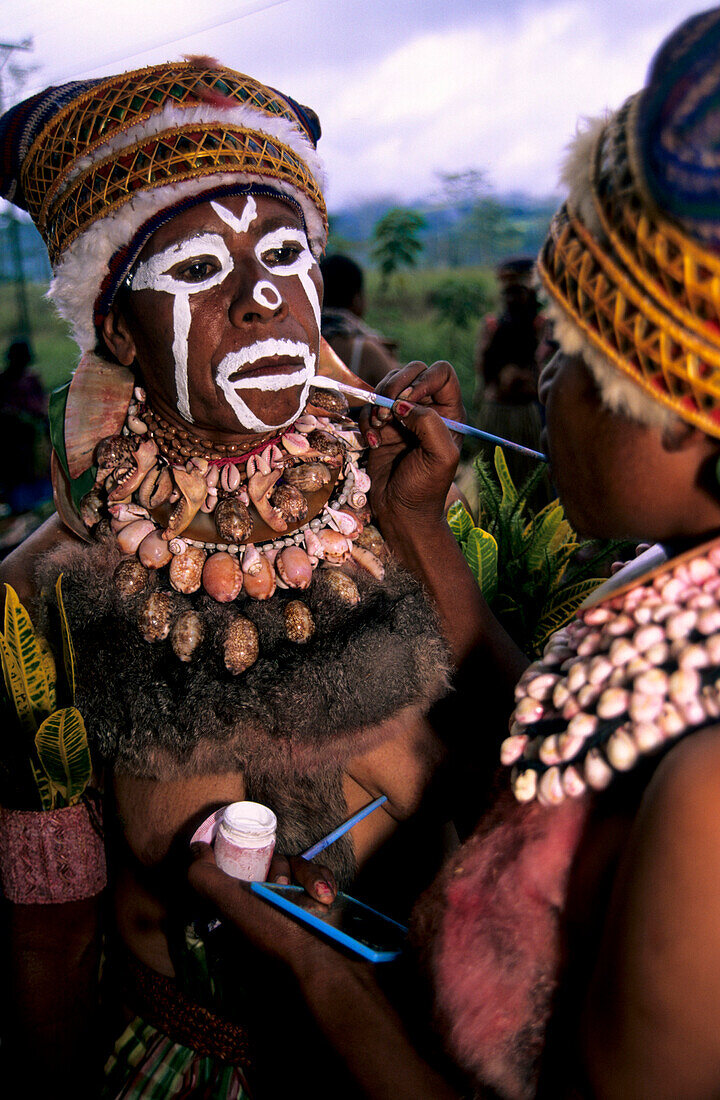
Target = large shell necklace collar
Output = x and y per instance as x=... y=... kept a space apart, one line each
x=227 y=522
x=625 y=678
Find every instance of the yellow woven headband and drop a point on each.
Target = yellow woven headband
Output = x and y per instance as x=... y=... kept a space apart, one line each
x=642 y=293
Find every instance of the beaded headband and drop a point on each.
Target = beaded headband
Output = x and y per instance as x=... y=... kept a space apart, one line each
x=641 y=290
x=94 y=163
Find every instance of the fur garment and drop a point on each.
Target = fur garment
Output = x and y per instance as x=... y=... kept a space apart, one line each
x=297 y=708
x=491 y=931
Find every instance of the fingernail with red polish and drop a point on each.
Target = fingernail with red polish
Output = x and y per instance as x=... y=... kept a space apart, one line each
x=373 y=439
x=402 y=408
x=324 y=891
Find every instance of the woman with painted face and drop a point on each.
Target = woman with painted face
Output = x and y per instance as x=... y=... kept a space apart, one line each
x=227 y=609
x=572 y=943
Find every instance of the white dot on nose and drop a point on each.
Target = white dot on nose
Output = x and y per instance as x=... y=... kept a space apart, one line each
x=265 y=294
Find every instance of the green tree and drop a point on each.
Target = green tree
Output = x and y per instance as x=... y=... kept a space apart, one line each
x=489 y=231
x=397 y=243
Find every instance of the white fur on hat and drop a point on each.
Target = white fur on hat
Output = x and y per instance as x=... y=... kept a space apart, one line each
x=84 y=264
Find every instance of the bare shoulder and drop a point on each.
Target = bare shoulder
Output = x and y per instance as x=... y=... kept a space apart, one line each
x=655 y=995
x=18 y=568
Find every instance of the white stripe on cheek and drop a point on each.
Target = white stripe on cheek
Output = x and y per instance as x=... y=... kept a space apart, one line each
x=181 y=331
x=241 y=224
x=265 y=294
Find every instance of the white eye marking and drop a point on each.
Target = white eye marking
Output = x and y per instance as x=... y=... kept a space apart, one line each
x=241 y=224
x=154 y=274
x=300 y=266
x=265 y=294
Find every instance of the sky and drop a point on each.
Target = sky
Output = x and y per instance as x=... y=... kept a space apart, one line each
x=404 y=88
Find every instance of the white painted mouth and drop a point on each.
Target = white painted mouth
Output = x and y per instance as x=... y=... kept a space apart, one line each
x=273 y=380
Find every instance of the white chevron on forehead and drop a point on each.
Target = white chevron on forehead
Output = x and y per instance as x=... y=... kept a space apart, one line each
x=241 y=224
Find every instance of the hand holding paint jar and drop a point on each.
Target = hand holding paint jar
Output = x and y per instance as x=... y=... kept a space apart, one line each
x=245 y=841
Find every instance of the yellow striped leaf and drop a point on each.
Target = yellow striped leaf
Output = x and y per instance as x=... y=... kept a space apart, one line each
x=561 y=609
x=22 y=643
x=68 y=648
x=459 y=521
x=62 y=747
x=48 y=660
x=481 y=553
x=47 y=795
x=509 y=492
x=15 y=685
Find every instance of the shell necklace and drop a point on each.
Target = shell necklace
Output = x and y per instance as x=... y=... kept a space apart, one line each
x=624 y=678
x=247 y=522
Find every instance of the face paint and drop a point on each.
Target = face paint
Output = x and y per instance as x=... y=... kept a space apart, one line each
x=300 y=266
x=264 y=349
x=155 y=274
x=241 y=224
x=265 y=294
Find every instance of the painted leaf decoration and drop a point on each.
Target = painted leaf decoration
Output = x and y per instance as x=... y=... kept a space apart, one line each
x=68 y=648
x=22 y=643
x=47 y=795
x=62 y=747
x=562 y=608
x=481 y=552
x=15 y=685
x=459 y=521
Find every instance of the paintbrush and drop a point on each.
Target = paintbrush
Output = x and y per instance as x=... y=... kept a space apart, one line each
x=342 y=829
x=372 y=398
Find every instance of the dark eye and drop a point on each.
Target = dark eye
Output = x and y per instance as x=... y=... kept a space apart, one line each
x=283 y=256
x=197 y=270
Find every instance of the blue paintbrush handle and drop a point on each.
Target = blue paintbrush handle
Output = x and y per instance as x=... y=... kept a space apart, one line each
x=342 y=829
x=466 y=429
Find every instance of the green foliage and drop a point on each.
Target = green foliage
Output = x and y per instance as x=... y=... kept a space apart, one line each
x=459 y=302
x=397 y=242
x=55 y=740
x=528 y=569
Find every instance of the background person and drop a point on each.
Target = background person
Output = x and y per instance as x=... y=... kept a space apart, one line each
x=365 y=352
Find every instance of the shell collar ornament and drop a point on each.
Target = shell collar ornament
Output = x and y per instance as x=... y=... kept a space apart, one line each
x=626 y=678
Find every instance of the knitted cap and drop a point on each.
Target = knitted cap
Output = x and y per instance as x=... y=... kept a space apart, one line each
x=632 y=260
x=101 y=164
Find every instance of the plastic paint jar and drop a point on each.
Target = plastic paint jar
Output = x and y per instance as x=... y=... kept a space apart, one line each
x=245 y=841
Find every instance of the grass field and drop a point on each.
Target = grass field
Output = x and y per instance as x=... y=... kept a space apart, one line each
x=402 y=313
x=56 y=354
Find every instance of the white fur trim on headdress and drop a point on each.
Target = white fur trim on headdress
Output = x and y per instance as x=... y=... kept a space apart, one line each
x=83 y=266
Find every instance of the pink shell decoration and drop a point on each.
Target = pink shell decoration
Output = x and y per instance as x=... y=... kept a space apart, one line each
x=222 y=577
x=96 y=407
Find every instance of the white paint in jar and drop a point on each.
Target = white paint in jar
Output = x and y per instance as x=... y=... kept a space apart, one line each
x=245 y=841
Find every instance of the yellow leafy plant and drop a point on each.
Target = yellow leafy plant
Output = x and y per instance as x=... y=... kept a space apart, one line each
x=59 y=754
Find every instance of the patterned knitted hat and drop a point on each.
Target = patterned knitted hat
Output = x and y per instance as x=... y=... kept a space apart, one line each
x=101 y=164
x=632 y=260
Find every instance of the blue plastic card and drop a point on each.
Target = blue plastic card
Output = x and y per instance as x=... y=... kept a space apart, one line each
x=347 y=921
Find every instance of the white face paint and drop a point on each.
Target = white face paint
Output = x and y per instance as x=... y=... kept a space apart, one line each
x=301 y=266
x=270 y=382
x=241 y=224
x=155 y=274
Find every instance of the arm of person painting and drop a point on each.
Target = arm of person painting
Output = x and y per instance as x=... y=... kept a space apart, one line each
x=342 y=994
x=412 y=467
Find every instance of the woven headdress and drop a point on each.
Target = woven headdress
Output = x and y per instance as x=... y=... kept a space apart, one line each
x=632 y=261
x=100 y=165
